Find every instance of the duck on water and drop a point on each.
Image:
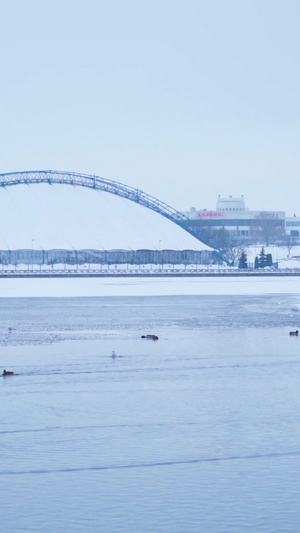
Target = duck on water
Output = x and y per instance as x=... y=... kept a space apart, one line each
x=7 y=373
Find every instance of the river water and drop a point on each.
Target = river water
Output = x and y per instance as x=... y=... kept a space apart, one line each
x=196 y=432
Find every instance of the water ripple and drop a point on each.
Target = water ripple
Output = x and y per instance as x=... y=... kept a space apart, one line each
x=150 y=465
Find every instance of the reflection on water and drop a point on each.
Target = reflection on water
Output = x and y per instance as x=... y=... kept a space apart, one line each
x=198 y=431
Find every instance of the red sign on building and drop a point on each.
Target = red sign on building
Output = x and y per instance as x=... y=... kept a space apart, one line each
x=209 y=214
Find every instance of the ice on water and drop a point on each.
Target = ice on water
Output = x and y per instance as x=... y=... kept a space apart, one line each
x=199 y=432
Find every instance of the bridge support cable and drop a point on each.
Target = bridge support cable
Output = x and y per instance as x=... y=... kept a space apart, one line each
x=102 y=184
x=60 y=229
x=94 y=204
x=24 y=219
x=67 y=207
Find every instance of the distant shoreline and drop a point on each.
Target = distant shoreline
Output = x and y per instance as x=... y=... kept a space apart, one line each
x=205 y=274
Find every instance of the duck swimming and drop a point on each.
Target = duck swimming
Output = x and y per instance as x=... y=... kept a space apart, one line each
x=7 y=373
x=153 y=337
x=294 y=332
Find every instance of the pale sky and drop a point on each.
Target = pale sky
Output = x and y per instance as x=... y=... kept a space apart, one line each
x=182 y=99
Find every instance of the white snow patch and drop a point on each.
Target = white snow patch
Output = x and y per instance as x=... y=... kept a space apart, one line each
x=63 y=217
x=160 y=286
x=280 y=255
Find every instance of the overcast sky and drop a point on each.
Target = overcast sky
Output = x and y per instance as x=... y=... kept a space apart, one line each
x=182 y=99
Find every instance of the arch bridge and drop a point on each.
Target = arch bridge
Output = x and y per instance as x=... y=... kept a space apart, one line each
x=101 y=184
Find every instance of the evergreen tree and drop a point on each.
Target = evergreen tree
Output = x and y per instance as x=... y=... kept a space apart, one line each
x=256 y=262
x=262 y=259
x=269 y=260
x=243 y=260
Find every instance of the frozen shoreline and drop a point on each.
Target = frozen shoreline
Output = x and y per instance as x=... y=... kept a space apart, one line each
x=160 y=286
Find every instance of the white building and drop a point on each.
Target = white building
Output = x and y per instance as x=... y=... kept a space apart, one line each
x=292 y=226
x=232 y=215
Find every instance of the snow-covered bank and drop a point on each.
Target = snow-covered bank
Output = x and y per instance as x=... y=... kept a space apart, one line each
x=283 y=255
x=49 y=287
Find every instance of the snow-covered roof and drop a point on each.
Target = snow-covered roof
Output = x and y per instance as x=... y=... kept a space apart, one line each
x=63 y=217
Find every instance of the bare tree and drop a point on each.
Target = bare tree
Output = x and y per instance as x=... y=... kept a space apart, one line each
x=288 y=242
x=230 y=254
x=268 y=226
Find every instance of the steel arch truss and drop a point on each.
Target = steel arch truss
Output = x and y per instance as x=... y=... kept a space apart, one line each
x=101 y=184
